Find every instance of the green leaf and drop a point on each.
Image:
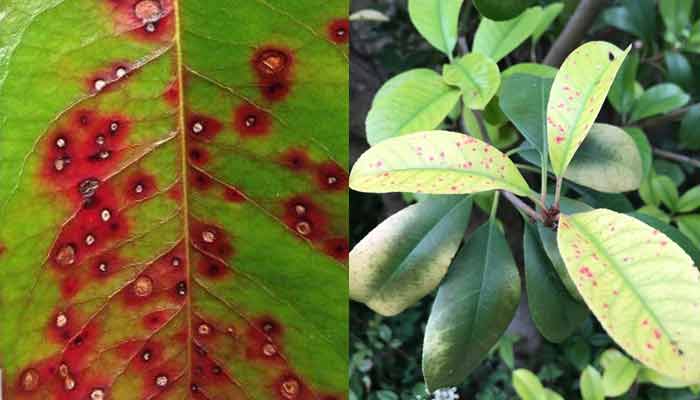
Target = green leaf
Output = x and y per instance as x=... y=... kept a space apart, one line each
x=659 y=99
x=539 y=70
x=690 y=226
x=592 y=384
x=497 y=39
x=578 y=352
x=644 y=148
x=676 y=14
x=501 y=10
x=477 y=76
x=436 y=162
x=577 y=95
x=689 y=133
x=679 y=70
x=640 y=285
x=655 y=212
x=408 y=254
x=549 y=14
x=690 y=200
x=637 y=17
x=416 y=100
x=524 y=100
x=552 y=395
x=622 y=92
x=527 y=385
x=473 y=308
x=607 y=161
x=619 y=373
x=437 y=21
x=555 y=313
x=172 y=173
x=679 y=238
x=664 y=187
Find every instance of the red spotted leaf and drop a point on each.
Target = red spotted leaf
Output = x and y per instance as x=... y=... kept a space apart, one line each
x=173 y=196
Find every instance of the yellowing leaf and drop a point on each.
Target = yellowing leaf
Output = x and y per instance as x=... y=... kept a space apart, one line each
x=436 y=162
x=578 y=93
x=642 y=287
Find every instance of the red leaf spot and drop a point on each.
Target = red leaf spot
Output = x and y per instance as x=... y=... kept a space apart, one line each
x=339 y=31
x=140 y=186
x=172 y=94
x=273 y=65
x=295 y=159
x=331 y=177
x=251 y=121
x=559 y=139
x=204 y=127
x=234 y=195
x=304 y=217
x=198 y=155
x=337 y=248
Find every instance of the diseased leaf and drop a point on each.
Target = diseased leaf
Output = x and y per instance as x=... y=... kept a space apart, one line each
x=407 y=255
x=473 y=308
x=679 y=238
x=173 y=196
x=577 y=95
x=555 y=313
x=657 y=100
x=640 y=285
x=549 y=14
x=498 y=38
x=477 y=76
x=416 y=100
x=436 y=162
x=436 y=20
x=524 y=100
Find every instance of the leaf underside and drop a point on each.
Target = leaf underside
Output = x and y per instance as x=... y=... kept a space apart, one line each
x=640 y=285
x=173 y=197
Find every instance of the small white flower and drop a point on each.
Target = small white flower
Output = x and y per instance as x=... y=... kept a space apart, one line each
x=446 y=394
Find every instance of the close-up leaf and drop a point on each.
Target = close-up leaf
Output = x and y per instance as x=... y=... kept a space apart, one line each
x=539 y=70
x=555 y=313
x=173 y=199
x=657 y=100
x=577 y=95
x=637 y=17
x=416 y=100
x=622 y=93
x=690 y=226
x=689 y=135
x=676 y=235
x=501 y=10
x=592 y=384
x=436 y=162
x=549 y=14
x=498 y=38
x=524 y=100
x=477 y=76
x=437 y=21
x=406 y=256
x=676 y=14
x=667 y=191
x=690 y=200
x=619 y=373
x=527 y=385
x=641 y=286
x=473 y=307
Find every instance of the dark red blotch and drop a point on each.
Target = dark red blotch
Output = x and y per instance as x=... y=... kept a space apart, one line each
x=251 y=121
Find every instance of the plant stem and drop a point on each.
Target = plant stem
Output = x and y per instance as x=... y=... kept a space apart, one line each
x=557 y=192
x=494 y=207
x=543 y=180
x=677 y=157
x=482 y=127
x=520 y=205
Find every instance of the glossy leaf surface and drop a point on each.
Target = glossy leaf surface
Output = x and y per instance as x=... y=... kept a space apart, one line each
x=524 y=100
x=436 y=162
x=640 y=285
x=577 y=95
x=172 y=199
x=436 y=20
x=408 y=254
x=477 y=76
x=416 y=100
x=473 y=308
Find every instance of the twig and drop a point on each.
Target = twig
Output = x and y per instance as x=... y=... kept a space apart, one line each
x=519 y=204
x=482 y=127
x=677 y=157
x=675 y=115
x=575 y=30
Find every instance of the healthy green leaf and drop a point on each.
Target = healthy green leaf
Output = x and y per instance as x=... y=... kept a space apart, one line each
x=527 y=385
x=664 y=187
x=619 y=373
x=173 y=199
x=498 y=38
x=655 y=212
x=641 y=286
x=437 y=21
x=577 y=95
x=549 y=14
x=690 y=200
x=622 y=93
x=524 y=100
x=637 y=17
x=555 y=313
x=690 y=226
x=592 y=384
x=676 y=14
x=679 y=70
x=416 y=100
x=689 y=133
x=473 y=308
x=436 y=162
x=501 y=10
x=408 y=254
x=477 y=76
x=659 y=99
x=540 y=70
x=552 y=395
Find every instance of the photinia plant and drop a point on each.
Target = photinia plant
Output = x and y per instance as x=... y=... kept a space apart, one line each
x=173 y=197
x=632 y=272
